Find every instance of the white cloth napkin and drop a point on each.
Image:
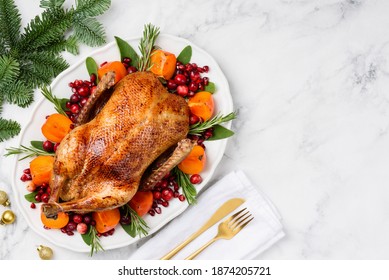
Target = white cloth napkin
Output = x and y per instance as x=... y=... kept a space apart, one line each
x=261 y=233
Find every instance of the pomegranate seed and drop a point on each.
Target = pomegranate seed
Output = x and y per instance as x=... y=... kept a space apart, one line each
x=151 y=212
x=27 y=171
x=125 y=65
x=105 y=234
x=164 y=184
x=180 y=79
x=75 y=109
x=111 y=232
x=200 y=70
x=159 y=201
x=182 y=90
x=74 y=98
x=181 y=197
x=201 y=86
x=158 y=210
x=102 y=64
x=188 y=67
x=167 y=194
x=175 y=186
x=77 y=218
x=41 y=191
x=77 y=83
x=68 y=104
x=193 y=86
x=45 y=197
x=26 y=177
x=73 y=118
x=71 y=85
x=82 y=228
x=208 y=134
x=32 y=206
x=93 y=78
x=176 y=194
x=196 y=179
x=93 y=223
x=70 y=233
x=191 y=93
x=194 y=65
x=194 y=76
x=48 y=146
x=205 y=81
x=83 y=101
x=180 y=67
x=206 y=68
x=48 y=190
x=165 y=203
x=63 y=230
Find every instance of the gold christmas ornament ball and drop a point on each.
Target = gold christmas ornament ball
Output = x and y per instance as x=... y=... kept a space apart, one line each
x=8 y=217
x=4 y=198
x=45 y=253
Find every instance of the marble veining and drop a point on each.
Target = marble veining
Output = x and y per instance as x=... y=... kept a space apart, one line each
x=310 y=82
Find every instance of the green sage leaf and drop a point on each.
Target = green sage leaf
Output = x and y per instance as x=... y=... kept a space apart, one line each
x=185 y=55
x=37 y=144
x=87 y=238
x=220 y=132
x=30 y=197
x=130 y=229
x=211 y=87
x=126 y=51
x=92 y=67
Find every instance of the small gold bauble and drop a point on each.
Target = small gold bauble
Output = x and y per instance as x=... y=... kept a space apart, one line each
x=4 y=199
x=7 y=218
x=45 y=253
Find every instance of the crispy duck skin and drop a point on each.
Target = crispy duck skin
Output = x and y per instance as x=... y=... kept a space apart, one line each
x=100 y=163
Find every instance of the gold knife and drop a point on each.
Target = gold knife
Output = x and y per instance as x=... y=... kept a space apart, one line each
x=220 y=213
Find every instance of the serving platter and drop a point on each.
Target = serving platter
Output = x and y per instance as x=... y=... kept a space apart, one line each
x=60 y=88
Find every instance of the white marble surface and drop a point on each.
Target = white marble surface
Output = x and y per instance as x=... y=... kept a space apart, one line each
x=311 y=82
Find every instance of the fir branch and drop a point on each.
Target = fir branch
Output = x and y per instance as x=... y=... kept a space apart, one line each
x=9 y=70
x=8 y=129
x=46 y=29
x=27 y=152
x=18 y=93
x=48 y=94
x=91 y=8
x=146 y=45
x=70 y=45
x=187 y=187
x=200 y=127
x=10 y=23
x=89 y=31
x=51 y=4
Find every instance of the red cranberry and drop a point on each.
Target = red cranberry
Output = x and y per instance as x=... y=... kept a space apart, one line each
x=127 y=60
x=125 y=220
x=131 y=69
x=93 y=78
x=180 y=79
x=45 y=197
x=167 y=194
x=208 y=134
x=77 y=218
x=126 y=65
x=157 y=195
x=83 y=91
x=181 y=197
x=74 y=98
x=175 y=186
x=56 y=146
x=193 y=119
x=83 y=101
x=38 y=198
x=87 y=219
x=68 y=104
x=48 y=146
x=71 y=226
x=82 y=228
x=164 y=184
x=196 y=179
x=182 y=90
x=27 y=171
x=171 y=85
x=75 y=109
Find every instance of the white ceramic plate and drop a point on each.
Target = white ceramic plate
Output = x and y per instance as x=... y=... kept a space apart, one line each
x=60 y=88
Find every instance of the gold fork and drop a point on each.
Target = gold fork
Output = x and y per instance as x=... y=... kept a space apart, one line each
x=227 y=229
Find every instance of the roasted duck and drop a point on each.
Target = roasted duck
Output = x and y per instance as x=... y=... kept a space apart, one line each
x=101 y=163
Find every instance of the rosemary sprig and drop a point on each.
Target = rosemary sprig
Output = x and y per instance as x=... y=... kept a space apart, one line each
x=95 y=244
x=137 y=226
x=29 y=151
x=146 y=45
x=48 y=94
x=199 y=128
x=187 y=187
